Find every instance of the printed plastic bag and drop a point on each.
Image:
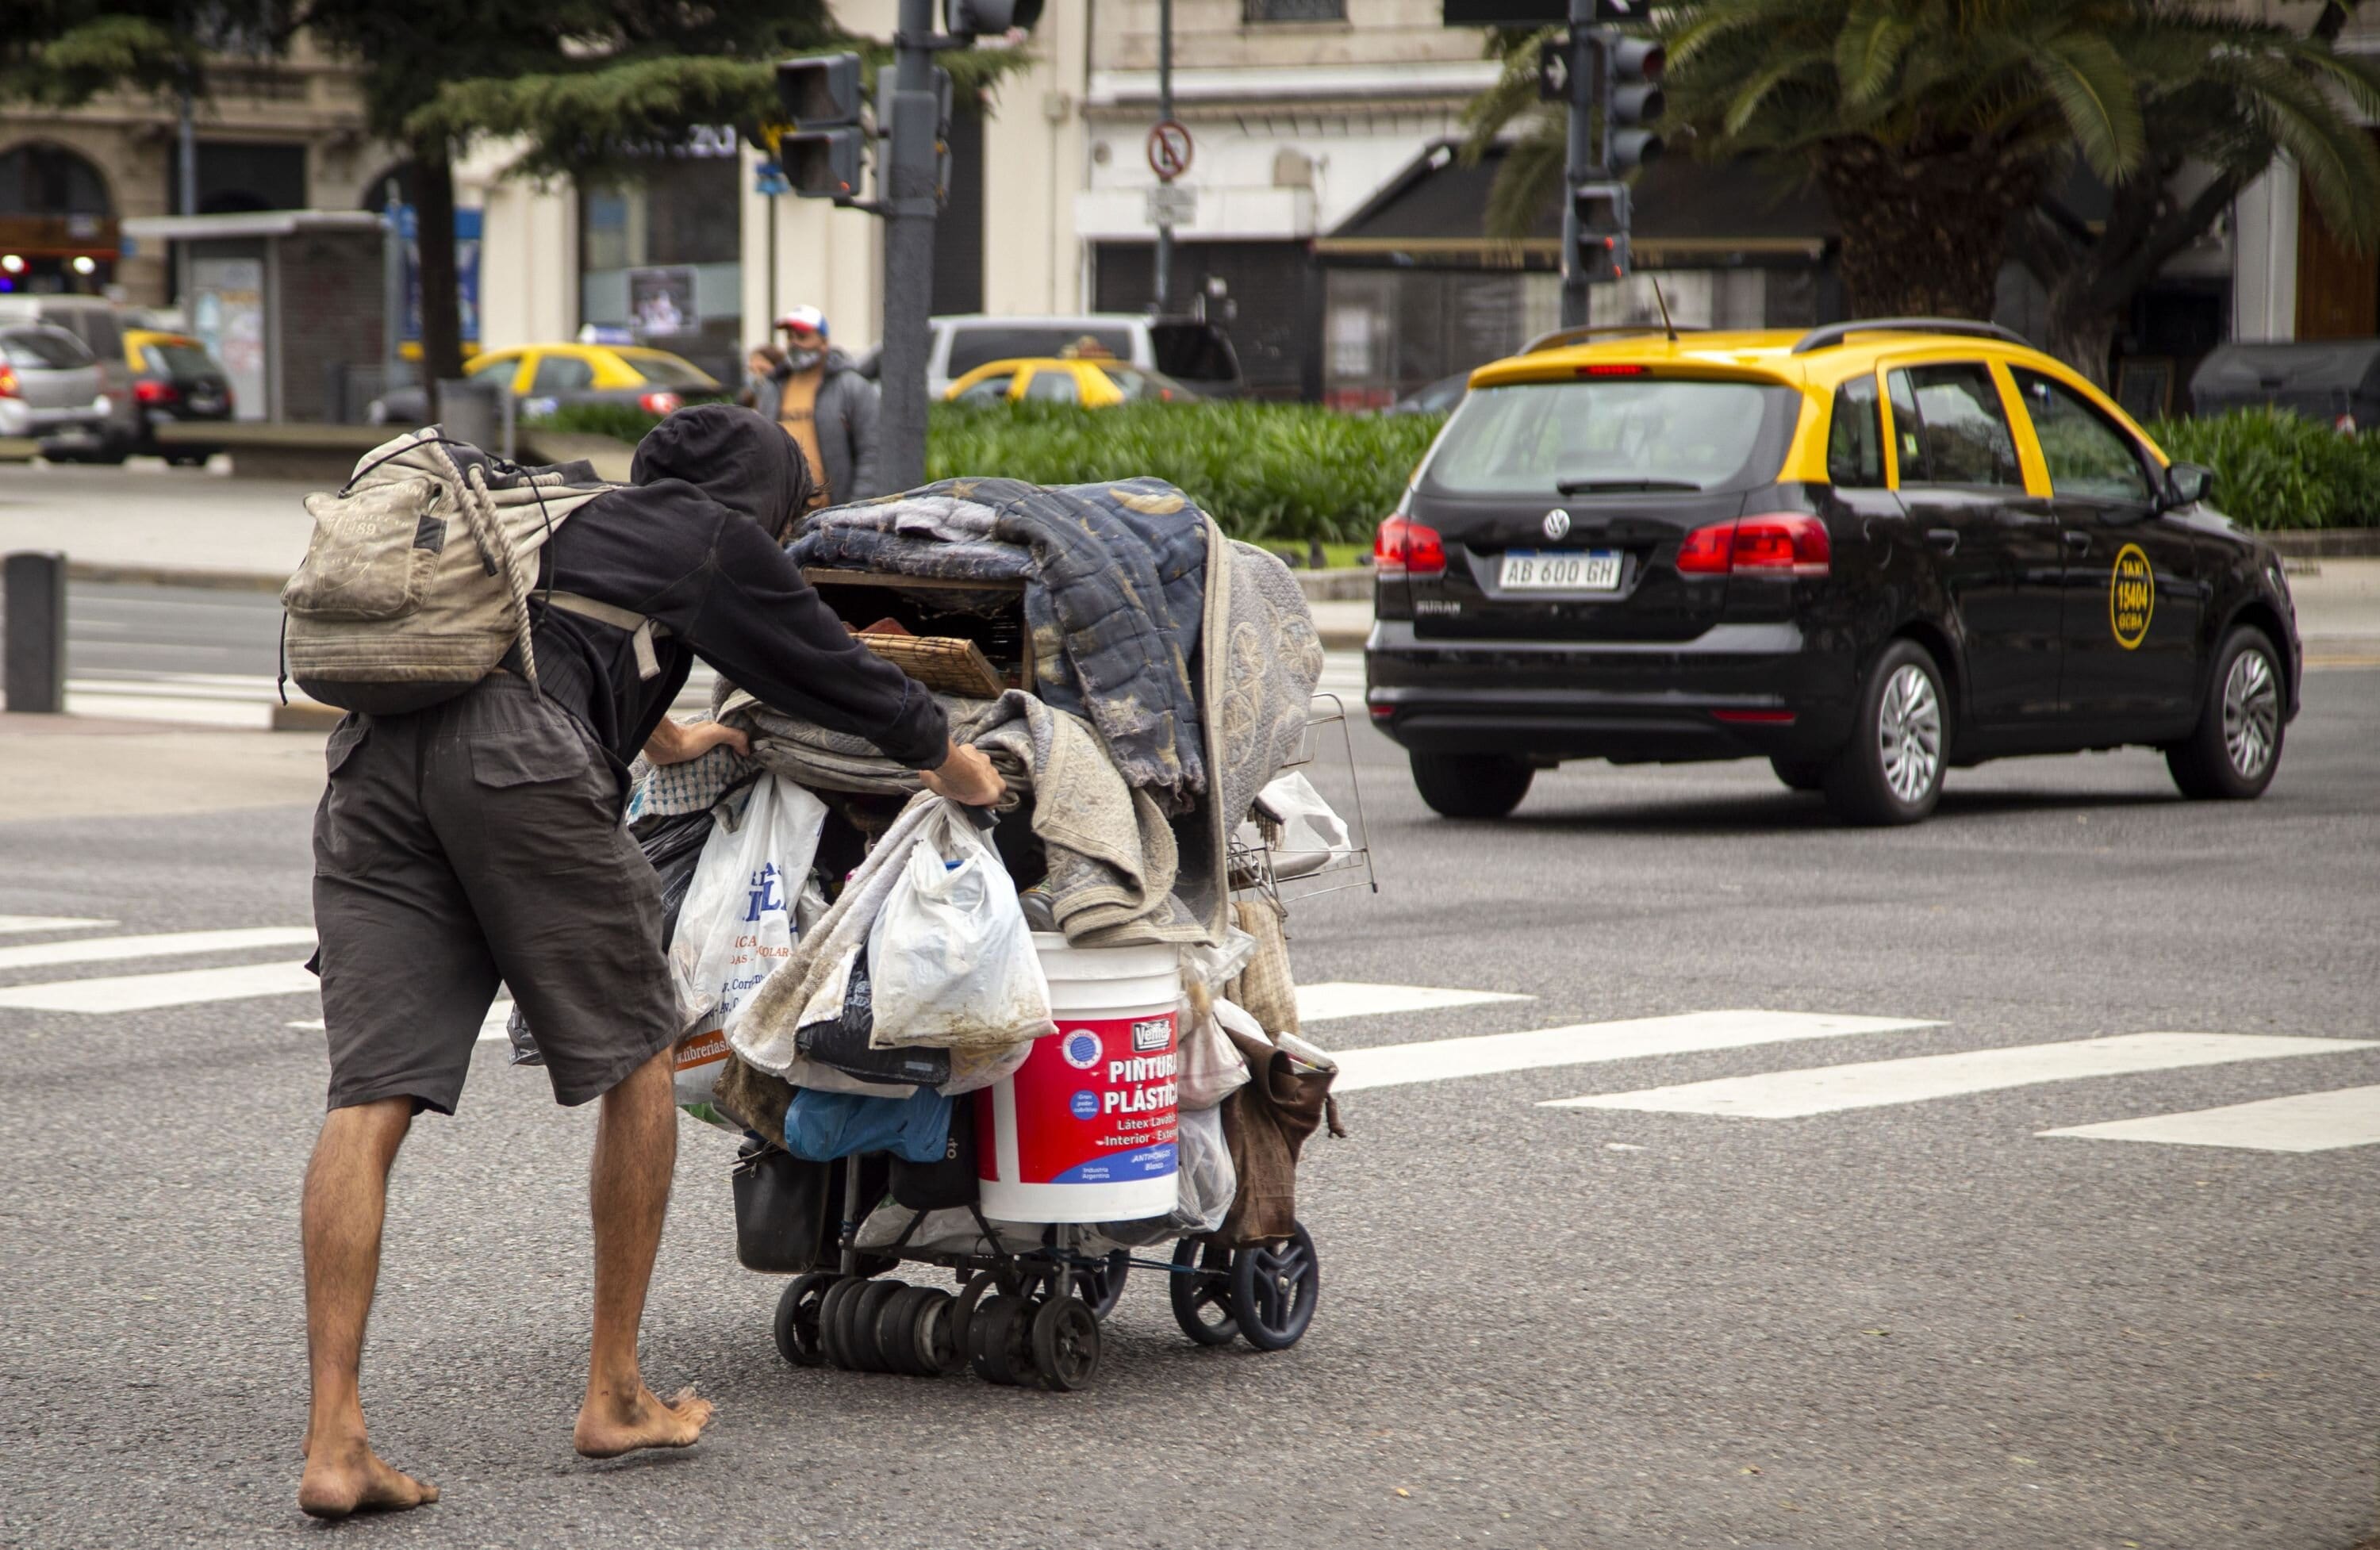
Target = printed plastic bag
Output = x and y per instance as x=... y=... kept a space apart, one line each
x=952 y=963
x=736 y=926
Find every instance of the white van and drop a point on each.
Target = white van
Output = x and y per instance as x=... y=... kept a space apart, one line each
x=1193 y=352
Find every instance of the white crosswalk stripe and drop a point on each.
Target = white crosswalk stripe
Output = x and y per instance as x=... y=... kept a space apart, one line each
x=17 y=925
x=1791 y=1095
x=149 y=992
x=115 y=949
x=1582 y=1044
x=2301 y=1122
x=1335 y=999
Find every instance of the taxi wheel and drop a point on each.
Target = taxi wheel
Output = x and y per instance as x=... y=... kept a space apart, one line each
x=1891 y=771
x=1471 y=785
x=2232 y=755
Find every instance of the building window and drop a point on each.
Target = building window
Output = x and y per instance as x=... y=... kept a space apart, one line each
x=1294 y=10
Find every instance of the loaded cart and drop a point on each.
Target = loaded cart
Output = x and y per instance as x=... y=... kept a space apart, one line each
x=1038 y=1050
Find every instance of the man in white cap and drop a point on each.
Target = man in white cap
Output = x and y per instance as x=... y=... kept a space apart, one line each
x=826 y=406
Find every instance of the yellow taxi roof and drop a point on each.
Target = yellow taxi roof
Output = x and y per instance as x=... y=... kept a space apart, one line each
x=1753 y=354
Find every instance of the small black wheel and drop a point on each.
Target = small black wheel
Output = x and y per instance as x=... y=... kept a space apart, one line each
x=1800 y=774
x=1202 y=1297
x=1000 y=1339
x=896 y=1331
x=1471 y=785
x=939 y=1337
x=1065 y=1344
x=1274 y=1287
x=1890 y=772
x=2231 y=755
x=830 y=1320
x=1101 y=1286
x=861 y=1315
x=797 y=1317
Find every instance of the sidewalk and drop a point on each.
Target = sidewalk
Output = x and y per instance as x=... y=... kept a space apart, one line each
x=79 y=766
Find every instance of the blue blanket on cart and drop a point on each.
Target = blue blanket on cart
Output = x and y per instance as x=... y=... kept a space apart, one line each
x=1115 y=578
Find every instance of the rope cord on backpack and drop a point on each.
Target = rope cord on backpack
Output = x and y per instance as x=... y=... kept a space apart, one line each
x=486 y=526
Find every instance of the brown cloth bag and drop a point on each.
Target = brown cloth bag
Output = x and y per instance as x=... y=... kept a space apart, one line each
x=1265 y=1124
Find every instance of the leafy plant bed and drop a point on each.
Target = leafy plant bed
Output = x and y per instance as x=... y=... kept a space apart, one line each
x=2276 y=469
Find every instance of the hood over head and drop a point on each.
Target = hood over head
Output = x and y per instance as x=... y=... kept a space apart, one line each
x=734 y=456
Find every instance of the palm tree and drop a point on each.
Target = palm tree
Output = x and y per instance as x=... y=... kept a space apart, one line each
x=1932 y=125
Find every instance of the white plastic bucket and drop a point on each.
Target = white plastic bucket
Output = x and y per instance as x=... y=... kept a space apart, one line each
x=1084 y=1131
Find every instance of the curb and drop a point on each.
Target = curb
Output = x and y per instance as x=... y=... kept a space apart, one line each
x=99 y=575
x=1344 y=639
x=2325 y=543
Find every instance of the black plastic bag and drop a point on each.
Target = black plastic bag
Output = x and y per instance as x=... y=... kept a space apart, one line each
x=840 y=1042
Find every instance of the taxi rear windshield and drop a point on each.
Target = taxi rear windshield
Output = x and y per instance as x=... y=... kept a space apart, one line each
x=1613 y=435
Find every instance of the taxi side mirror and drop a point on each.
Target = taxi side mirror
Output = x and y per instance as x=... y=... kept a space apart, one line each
x=2186 y=484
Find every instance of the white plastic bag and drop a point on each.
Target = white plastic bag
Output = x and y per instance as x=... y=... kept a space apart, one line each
x=1212 y=1067
x=949 y=955
x=1312 y=836
x=736 y=926
x=1206 y=1184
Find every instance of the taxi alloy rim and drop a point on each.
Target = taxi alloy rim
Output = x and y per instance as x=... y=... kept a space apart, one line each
x=1908 y=732
x=2252 y=713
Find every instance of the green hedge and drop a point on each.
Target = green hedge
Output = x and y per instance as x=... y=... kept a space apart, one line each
x=1282 y=473
x=2277 y=469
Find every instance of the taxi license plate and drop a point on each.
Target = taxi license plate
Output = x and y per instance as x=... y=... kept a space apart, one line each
x=1529 y=570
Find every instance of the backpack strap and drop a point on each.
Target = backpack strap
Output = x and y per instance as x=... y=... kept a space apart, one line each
x=641 y=630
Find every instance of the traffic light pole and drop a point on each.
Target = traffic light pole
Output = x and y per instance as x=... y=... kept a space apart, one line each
x=906 y=190
x=1584 y=85
x=1164 y=277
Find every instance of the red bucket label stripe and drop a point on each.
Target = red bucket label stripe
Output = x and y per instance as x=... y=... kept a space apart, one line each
x=1095 y=1103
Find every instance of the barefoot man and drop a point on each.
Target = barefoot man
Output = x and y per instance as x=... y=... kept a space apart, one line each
x=479 y=840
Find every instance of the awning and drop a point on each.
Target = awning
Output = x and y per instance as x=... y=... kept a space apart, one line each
x=248 y=223
x=1686 y=214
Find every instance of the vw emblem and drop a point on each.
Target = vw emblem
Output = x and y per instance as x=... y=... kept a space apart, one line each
x=1557 y=522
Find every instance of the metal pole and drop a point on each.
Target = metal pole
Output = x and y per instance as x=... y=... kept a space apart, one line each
x=34 y=675
x=1165 y=114
x=906 y=191
x=392 y=286
x=186 y=178
x=1582 y=96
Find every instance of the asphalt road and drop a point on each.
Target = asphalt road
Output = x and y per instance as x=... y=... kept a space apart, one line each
x=1920 y=1323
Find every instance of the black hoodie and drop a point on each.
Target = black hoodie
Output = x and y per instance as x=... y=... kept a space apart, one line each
x=692 y=544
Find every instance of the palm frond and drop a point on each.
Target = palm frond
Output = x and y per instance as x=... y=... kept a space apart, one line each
x=2095 y=94
x=1869 y=50
x=1529 y=181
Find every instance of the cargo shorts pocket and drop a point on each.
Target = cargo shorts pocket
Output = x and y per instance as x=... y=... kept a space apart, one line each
x=532 y=754
x=345 y=739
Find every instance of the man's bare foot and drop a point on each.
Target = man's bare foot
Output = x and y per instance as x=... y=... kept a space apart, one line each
x=339 y=1481
x=607 y=1429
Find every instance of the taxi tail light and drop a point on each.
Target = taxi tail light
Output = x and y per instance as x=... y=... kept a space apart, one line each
x=660 y=403
x=1773 y=543
x=1405 y=547
x=8 y=382
x=152 y=392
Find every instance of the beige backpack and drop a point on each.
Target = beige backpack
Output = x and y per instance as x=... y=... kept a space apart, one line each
x=419 y=575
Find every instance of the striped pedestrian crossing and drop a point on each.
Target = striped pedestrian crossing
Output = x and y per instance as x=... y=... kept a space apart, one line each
x=23 y=924
x=2301 y=1122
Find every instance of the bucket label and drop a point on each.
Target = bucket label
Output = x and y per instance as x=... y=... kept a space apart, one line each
x=1095 y=1104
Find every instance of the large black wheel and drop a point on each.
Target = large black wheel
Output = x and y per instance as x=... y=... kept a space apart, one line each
x=1471 y=785
x=1890 y=772
x=896 y=1330
x=2231 y=755
x=940 y=1335
x=861 y=1316
x=830 y=1320
x=1000 y=1339
x=1274 y=1287
x=1800 y=774
x=1101 y=1286
x=797 y=1317
x=1202 y=1296
x=1065 y=1344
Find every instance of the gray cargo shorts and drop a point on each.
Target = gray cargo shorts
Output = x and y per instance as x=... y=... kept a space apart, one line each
x=478 y=841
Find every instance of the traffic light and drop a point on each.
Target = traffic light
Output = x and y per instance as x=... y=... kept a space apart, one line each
x=820 y=153
x=1631 y=100
x=1600 y=217
x=968 y=19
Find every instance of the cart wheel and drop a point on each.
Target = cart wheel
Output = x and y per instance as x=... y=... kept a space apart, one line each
x=896 y=1331
x=1000 y=1339
x=979 y=1286
x=1202 y=1299
x=939 y=1337
x=1274 y=1286
x=830 y=1320
x=1065 y=1343
x=797 y=1317
x=1103 y=1286
x=860 y=1316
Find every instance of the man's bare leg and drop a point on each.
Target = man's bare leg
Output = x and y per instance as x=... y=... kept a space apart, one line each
x=346 y=1195
x=635 y=1151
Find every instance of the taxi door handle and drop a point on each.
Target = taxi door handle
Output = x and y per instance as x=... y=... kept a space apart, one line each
x=2080 y=542
x=1944 y=539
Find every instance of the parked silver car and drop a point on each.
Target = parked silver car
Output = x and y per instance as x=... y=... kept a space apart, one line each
x=99 y=325
x=50 y=390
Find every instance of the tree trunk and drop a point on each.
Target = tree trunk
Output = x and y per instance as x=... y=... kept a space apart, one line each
x=1925 y=231
x=442 y=311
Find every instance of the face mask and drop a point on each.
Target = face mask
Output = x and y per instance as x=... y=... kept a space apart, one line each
x=801 y=360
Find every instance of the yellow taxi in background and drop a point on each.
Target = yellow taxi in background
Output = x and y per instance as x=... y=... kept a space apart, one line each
x=1869 y=553
x=175 y=379
x=1093 y=381
x=545 y=377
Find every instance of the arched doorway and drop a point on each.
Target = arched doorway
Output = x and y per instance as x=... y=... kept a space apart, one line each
x=58 y=223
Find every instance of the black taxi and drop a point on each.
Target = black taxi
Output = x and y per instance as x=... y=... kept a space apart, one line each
x=1867 y=553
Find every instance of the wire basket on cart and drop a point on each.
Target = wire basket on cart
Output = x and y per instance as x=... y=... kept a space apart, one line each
x=1026 y=1300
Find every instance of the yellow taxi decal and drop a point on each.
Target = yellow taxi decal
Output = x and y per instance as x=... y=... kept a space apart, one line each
x=2131 y=597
